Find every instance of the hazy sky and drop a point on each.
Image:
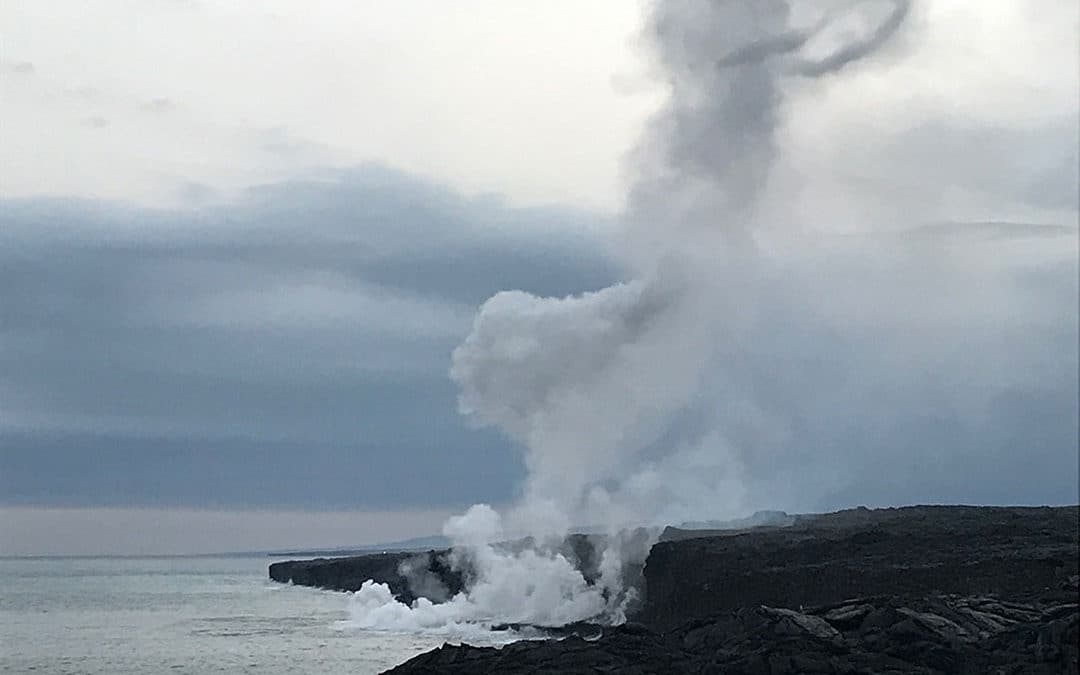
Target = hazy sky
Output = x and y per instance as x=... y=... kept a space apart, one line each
x=522 y=99
x=238 y=241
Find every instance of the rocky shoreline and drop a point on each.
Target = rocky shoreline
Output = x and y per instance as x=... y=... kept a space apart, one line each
x=912 y=590
x=935 y=634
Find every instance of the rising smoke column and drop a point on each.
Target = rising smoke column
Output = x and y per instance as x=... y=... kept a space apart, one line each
x=593 y=385
x=706 y=158
x=725 y=376
x=605 y=390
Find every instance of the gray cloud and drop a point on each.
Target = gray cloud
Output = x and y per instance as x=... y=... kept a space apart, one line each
x=288 y=349
x=280 y=142
x=86 y=94
x=1034 y=165
x=158 y=105
x=95 y=122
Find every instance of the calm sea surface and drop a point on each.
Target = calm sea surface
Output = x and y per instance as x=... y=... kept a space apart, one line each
x=180 y=615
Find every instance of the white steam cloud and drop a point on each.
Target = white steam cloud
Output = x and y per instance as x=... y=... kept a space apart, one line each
x=742 y=368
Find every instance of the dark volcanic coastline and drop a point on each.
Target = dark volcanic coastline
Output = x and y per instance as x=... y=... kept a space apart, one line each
x=391 y=568
x=916 y=589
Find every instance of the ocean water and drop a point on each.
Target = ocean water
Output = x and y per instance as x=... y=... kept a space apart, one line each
x=181 y=615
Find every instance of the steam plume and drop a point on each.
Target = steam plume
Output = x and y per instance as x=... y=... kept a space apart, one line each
x=728 y=376
x=594 y=386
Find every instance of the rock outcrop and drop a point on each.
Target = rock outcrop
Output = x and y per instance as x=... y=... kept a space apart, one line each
x=911 y=590
x=825 y=559
x=936 y=634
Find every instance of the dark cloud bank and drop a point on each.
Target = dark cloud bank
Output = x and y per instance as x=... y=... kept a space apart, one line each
x=292 y=349
x=289 y=350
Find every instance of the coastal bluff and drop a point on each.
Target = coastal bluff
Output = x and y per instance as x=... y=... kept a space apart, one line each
x=392 y=568
x=824 y=559
x=923 y=589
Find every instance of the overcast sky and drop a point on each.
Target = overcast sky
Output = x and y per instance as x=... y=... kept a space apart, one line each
x=239 y=241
